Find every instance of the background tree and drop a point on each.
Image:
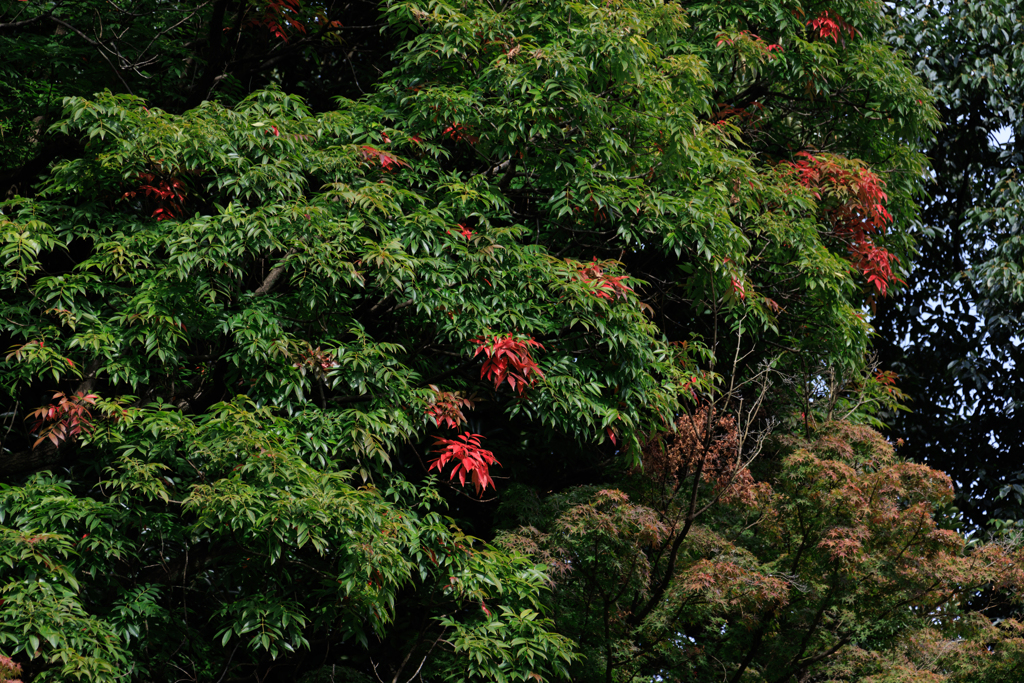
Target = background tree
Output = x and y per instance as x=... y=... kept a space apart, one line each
x=952 y=333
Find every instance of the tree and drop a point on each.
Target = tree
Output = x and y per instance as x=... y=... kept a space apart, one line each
x=174 y=55
x=256 y=506
x=842 y=568
x=257 y=329
x=960 y=310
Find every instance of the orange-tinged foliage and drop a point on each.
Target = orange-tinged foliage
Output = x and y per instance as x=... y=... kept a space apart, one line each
x=706 y=445
x=731 y=585
x=836 y=567
x=875 y=518
x=66 y=419
x=980 y=652
x=608 y=287
x=9 y=670
x=446 y=408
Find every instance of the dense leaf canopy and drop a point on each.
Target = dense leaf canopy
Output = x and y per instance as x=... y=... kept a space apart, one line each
x=291 y=310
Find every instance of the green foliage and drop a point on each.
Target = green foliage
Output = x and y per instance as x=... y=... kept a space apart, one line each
x=281 y=552
x=174 y=54
x=257 y=507
x=550 y=230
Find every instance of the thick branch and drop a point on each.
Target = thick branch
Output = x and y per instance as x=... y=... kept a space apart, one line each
x=24 y=22
x=273 y=276
x=215 y=60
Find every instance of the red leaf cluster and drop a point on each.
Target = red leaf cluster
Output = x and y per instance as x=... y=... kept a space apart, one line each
x=388 y=161
x=508 y=359
x=446 y=408
x=459 y=133
x=609 y=287
x=469 y=457
x=166 y=191
x=854 y=199
x=828 y=24
x=66 y=419
x=280 y=16
x=875 y=263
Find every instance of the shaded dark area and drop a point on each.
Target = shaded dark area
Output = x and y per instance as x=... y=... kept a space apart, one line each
x=174 y=56
x=953 y=334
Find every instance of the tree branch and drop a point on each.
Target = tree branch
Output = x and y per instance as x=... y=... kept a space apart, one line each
x=273 y=276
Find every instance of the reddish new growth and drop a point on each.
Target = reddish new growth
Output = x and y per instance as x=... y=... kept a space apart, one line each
x=164 y=190
x=749 y=115
x=280 y=16
x=316 y=360
x=446 y=408
x=465 y=231
x=459 y=133
x=68 y=418
x=508 y=359
x=753 y=38
x=704 y=445
x=388 y=161
x=887 y=378
x=737 y=288
x=854 y=201
x=608 y=287
x=830 y=25
x=729 y=584
x=470 y=459
x=9 y=669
